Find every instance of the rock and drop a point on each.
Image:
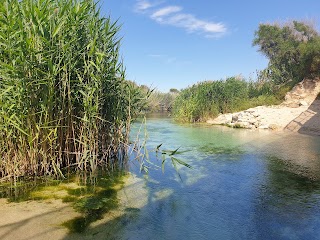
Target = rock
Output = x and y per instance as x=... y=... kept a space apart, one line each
x=305 y=91
x=221 y=119
x=234 y=118
x=240 y=125
x=292 y=105
x=252 y=121
x=255 y=114
x=273 y=126
x=264 y=127
x=276 y=117
x=303 y=103
x=244 y=125
x=257 y=124
x=248 y=111
x=228 y=118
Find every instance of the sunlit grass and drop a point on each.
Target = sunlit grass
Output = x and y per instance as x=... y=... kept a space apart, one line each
x=64 y=100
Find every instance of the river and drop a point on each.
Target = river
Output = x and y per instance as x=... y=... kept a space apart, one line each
x=243 y=185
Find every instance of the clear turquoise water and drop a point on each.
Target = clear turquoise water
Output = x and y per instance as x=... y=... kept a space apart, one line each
x=243 y=185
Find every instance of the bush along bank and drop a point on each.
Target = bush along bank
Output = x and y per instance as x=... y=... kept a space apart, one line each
x=209 y=99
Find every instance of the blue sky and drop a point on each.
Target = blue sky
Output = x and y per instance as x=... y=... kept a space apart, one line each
x=174 y=44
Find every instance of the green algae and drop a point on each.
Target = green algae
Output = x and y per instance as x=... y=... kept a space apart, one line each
x=91 y=196
x=209 y=149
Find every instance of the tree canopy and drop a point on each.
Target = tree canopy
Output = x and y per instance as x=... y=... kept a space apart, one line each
x=293 y=50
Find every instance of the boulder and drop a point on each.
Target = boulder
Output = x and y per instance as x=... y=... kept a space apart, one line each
x=234 y=118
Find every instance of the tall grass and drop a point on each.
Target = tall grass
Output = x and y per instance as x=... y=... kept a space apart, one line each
x=208 y=99
x=64 y=101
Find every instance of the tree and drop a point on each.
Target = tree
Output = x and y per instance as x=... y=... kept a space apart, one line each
x=173 y=90
x=293 y=50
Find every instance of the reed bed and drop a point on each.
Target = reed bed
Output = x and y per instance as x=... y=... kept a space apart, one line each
x=64 y=100
x=208 y=99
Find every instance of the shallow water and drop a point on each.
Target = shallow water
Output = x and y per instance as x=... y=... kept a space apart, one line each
x=243 y=185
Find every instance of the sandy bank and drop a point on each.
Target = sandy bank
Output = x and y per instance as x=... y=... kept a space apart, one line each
x=300 y=112
x=302 y=119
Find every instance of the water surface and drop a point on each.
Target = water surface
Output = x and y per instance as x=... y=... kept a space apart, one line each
x=244 y=185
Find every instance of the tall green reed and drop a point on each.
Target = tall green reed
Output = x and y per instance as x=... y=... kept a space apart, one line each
x=208 y=99
x=64 y=100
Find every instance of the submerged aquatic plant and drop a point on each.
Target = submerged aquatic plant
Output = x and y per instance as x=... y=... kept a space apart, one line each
x=64 y=100
x=142 y=152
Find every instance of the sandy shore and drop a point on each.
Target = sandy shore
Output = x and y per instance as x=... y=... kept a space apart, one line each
x=300 y=112
x=302 y=119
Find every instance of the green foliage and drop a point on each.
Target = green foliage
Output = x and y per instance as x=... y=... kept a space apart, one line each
x=293 y=50
x=63 y=97
x=139 y=97
x=208 y=99
x=173 y=90
x=157 y=101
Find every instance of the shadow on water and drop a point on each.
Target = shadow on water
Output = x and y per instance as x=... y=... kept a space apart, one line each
x=91 y=196
x=99 y=200
x=287 y=206
x=152 y=220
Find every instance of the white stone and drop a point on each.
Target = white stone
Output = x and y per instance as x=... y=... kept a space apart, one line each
x=303 y=103
x=264 y=127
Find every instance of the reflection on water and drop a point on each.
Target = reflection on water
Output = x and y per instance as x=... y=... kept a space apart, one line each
x=243 y=185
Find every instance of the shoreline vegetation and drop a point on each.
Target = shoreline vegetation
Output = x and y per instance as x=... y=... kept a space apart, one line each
x=299 y=112
x=64 y=100
x=293 y=50
x=66 y=107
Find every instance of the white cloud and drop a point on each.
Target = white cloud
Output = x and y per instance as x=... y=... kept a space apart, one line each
x=156 y=55
x=174 y=16
x=165 y=12
x=144 y=5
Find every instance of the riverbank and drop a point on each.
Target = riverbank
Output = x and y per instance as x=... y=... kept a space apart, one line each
x=300 y=112
x=302 y=119
x=261 y=117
